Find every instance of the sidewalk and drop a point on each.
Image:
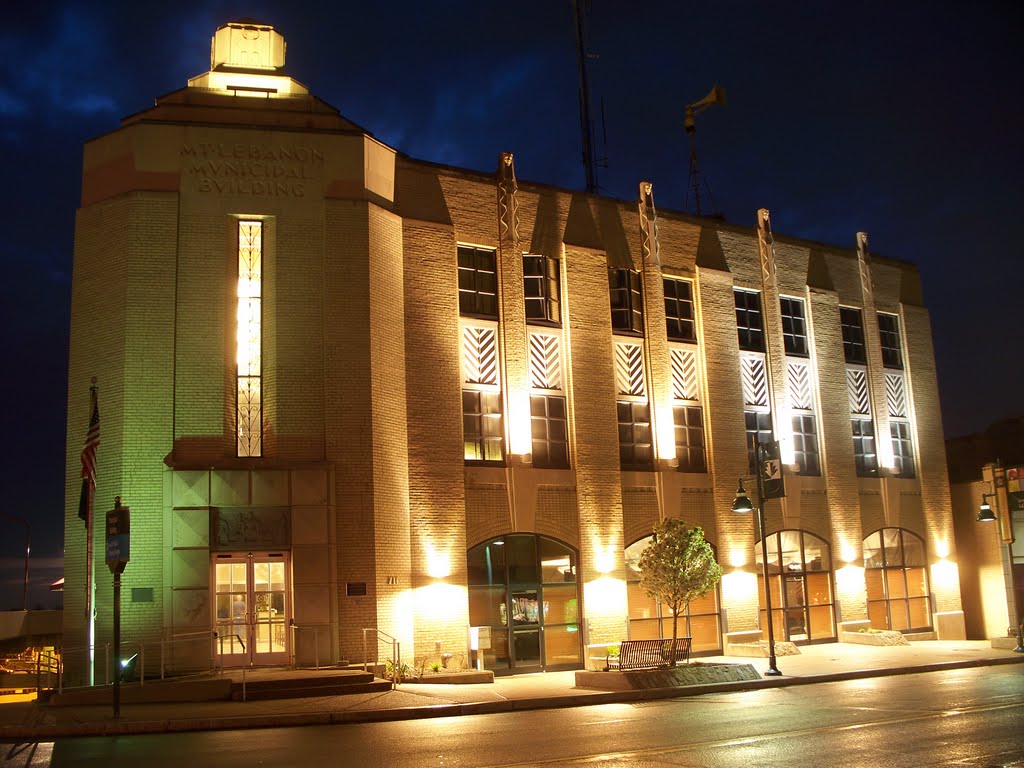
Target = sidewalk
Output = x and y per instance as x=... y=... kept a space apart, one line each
x=28 y=721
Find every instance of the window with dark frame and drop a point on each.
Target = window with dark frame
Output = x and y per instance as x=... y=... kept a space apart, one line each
x=902 y=448
x=626 y=301
x=541 y=289
x=749 y=321
x=636 y=449
x=478 y=282
x=689 y=432
x=549 y=427
x=889 y=336
x=757 y=423
x=679 y=316
x=805 y=445
x=483 y=432
x=794 y=327
x=865 y=454
x=853 y=335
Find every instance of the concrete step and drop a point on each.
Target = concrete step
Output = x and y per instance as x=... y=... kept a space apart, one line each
x=298 y=688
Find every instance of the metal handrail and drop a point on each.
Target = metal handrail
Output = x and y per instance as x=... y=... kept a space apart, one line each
x=396 y=652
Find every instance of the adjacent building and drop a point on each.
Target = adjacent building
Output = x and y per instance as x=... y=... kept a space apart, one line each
x=351 y=396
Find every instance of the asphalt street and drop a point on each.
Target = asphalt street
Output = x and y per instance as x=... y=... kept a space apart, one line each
x=968 y=717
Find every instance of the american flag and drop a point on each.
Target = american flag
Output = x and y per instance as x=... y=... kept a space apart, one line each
x=92 y=441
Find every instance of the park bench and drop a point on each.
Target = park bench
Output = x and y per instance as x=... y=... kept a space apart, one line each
x=644 y=654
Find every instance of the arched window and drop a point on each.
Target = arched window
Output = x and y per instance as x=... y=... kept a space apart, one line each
x=649 y=619
x=800 y=574
x=523 y=588
x=896 y=575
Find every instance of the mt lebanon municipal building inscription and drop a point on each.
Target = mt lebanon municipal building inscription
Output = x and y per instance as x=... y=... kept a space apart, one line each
x=263 y=170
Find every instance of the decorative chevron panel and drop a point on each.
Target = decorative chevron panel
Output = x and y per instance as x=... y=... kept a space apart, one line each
x=755 y=382
x=799 y=390
x=479 y=355
x=629 y=369
x=857 y=388
x=684 y=374
x=545 y=361
x=896 y=395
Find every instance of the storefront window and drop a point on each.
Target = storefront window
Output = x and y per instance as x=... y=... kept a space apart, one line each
x=650 y=620
x=800 y=577
x=896 y=577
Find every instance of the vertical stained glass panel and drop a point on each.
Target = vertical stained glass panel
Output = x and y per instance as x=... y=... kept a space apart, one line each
x=249 y=339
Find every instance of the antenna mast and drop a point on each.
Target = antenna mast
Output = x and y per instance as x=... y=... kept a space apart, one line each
x=717 y=96
x=585 y=127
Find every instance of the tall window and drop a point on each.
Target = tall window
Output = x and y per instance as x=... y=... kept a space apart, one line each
x=902 y=448
x=540 y=287
x=889 y=335
x=895 y=572
x=478 y=282
x=689 y=429
x=794 y=327
x=635 y=445
x=550 y=431
x=805 y=445
x=627 y=301
x=853 y=335
x=865 y=454
x=483 y=433
x=749 y=323
x=758 y=423
x=679 y=310
x=249 y=391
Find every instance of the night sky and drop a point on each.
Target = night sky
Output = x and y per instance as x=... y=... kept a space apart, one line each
x=900 y=119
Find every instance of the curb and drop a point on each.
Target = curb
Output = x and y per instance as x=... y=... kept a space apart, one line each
x=21 y=733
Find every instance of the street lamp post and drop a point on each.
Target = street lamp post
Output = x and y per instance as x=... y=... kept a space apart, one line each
x=986 y=515
x=28 y=549
x=742 y=504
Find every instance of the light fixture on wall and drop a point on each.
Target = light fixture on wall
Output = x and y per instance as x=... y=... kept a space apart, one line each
x=987 y=515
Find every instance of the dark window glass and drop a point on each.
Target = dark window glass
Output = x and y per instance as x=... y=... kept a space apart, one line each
x=550 y=431
x=864 y=451
x=627 y=301
x=521 y=552
x=902 y=448
x=689 y=427
x=540 y=287
x=635 y=447
x=749 y=323
x=853 y=335
x=889 y=335
x=794 y=327
x=483 y=434
x=805 y=445
x=478 y=282
x=758 y=423
x=487 y=564
x=679 y=310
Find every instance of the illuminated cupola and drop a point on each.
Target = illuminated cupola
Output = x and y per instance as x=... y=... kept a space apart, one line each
x=247 y=59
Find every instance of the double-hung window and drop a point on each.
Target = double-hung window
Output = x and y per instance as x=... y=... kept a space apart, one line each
x=626 y=301
x=749 y=321
x=478 y=282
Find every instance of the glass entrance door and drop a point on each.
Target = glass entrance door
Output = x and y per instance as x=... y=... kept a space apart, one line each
x=253 y=608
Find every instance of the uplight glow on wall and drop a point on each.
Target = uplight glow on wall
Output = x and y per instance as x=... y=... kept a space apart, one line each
x=250 y=338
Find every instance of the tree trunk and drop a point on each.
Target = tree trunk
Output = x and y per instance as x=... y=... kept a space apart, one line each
x=675 y=623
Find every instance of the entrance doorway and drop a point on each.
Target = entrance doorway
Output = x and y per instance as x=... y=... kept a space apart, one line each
x=253 y=608
x=523 y=587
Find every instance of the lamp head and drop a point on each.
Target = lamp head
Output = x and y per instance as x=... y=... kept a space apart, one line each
x=742 y=503
x=985 y=513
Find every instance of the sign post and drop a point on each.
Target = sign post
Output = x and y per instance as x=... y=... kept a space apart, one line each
x=118 y=528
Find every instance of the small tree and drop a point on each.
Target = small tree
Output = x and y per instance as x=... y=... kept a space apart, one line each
x=678 y=566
